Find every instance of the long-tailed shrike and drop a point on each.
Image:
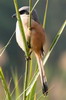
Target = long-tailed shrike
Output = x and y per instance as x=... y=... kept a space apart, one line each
x=37 y=40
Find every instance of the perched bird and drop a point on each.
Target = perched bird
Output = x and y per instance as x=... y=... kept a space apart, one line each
x=36 y=35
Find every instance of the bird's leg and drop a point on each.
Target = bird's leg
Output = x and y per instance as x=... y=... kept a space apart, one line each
x=28 y=44
x=30 y=50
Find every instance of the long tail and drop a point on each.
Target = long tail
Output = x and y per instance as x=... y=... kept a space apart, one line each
x=42 y=76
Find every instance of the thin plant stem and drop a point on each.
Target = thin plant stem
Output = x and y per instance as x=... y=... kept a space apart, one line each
x=34 y=6
x=35 y=98
x=4 y=48
x=5 y=84
x=27 y=61
x=28 y=67
x=54 y=42
x=30 y=8
x=45 y=14
x=26 y=78
x=16 y=85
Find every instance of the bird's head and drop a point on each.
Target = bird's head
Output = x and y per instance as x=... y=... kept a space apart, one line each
x=24 y=11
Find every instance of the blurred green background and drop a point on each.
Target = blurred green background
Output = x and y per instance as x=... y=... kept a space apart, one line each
x=13 y=58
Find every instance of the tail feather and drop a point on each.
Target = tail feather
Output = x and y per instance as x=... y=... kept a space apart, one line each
x=42 y=76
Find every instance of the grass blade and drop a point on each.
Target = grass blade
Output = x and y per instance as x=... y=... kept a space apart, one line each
x=34 y=6
x=54 y=42
x=4 y=48
x=32 y=83
x=4 y=84
x=16 y=81
x=31 y=97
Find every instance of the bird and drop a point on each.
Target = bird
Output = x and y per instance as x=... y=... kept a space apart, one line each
x=36 y=35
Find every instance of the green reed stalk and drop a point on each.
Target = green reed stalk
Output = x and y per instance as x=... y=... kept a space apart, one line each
x=45 y=14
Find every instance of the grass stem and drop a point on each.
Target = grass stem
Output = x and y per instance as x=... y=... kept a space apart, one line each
x=5 y=84
x=26 y=79
x=45 y=14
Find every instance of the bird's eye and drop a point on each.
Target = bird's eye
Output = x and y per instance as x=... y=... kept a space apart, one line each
x=23 y=12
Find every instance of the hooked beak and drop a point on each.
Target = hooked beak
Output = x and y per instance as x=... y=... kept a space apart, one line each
x=14 y=15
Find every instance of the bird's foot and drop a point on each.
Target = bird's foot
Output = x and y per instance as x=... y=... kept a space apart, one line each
x=28 y=58
x=28 y=44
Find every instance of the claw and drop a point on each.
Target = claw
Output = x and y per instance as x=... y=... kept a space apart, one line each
x=27 y=58
x=29 y=46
